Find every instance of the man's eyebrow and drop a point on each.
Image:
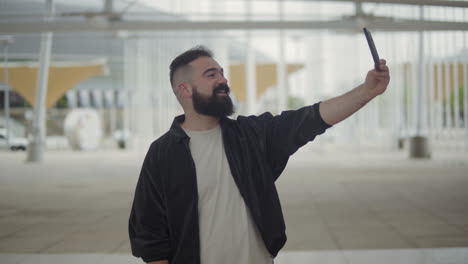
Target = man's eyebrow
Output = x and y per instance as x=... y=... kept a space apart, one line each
x=212 y=69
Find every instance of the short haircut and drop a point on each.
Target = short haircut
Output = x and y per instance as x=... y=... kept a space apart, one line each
x=185 y=58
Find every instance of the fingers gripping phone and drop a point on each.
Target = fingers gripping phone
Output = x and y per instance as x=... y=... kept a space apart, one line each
x=373 y=50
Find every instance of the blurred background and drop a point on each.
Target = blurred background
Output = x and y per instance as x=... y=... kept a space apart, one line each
x=84 y=90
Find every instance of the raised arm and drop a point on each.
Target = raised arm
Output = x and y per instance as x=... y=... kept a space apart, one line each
x=341 y=107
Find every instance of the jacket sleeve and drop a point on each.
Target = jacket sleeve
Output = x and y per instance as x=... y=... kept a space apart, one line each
x=148 y=229
x=287 y=132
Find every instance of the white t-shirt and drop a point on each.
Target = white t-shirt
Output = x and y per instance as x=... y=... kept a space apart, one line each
x=227 y=232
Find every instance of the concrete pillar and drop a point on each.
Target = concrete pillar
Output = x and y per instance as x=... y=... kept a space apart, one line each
x=419 y=143
x=250 y=67
x=282 y=86
x=465 y=100
x=431 y=86
x=419 y=147
x=37 y=143
x=465 y=82
x=448 y=114
x=456 y=90
x=440 y=103
x=6 y=95
x=129 y=81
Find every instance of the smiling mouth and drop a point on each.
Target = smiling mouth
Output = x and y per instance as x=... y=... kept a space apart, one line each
x=222 y=90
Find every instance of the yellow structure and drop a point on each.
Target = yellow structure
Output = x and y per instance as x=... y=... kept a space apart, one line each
x=451 y=75
x=22 y=78
x=266 y=77
x=64 y=76
x=447 y=70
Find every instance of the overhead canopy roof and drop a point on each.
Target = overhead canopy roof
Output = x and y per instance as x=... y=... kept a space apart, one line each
x=22 y=77
x=94 y=16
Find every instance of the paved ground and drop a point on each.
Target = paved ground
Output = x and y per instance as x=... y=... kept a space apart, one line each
x=385 y=256
x=78 y=203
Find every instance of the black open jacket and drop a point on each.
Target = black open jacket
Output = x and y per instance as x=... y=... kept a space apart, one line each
x=163 y=222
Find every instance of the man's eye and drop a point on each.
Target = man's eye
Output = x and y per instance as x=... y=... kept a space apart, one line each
x=211 y=75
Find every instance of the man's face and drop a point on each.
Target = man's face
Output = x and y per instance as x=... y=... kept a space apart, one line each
x=210 y=92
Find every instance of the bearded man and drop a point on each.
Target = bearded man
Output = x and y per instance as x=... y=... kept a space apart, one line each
x=206 y=191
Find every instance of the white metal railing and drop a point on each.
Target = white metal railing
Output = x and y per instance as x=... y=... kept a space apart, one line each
x=443 y=115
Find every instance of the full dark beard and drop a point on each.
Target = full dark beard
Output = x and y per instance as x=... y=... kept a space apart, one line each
x=214 y=105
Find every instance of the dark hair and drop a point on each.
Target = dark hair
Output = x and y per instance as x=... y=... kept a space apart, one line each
x=187 y=57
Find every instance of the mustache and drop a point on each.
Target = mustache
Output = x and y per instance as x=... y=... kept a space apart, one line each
x=222 y=88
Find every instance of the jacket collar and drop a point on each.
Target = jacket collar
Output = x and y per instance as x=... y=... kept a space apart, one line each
x=179 y=132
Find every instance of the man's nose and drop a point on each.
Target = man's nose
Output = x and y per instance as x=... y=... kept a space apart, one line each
x=223 y=80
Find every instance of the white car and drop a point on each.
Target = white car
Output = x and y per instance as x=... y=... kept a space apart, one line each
x=16 y=143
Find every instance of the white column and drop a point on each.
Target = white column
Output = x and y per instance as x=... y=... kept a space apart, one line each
x=315 y=59
x=313 y=67
x=37 y=144
x=431 y=85
x=402 y=114
x=251 y=76
x=413 y=84
x=6 y=95
x=137 y=99
x=420 y=94
x=159 y=85
x=440 y=91
x=170 y=113
x=153 y=92
x=465 y=99
x=250 y=67
x=128 y=81
x=395 y=116
x=447 y=108
x=155 y=83
x=112 y=112
x=447 y=46
x=465 y=83
x=282 y=85
x=407 y=93
x=168 y=40
x=434 y=64
x=397 y=89
x=456 y=91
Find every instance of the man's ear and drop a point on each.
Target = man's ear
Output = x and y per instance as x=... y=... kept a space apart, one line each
x=185 y=89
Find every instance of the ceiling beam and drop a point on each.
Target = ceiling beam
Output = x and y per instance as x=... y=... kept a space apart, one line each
x=112 y=26
x=441 y=3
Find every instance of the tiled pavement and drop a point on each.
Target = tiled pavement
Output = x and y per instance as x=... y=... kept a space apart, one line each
x=338 y=206
x=382 y=256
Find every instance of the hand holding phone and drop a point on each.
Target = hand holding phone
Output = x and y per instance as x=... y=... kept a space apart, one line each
x=373 y=50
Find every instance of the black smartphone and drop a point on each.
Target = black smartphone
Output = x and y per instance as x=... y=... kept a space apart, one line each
x=373 y=50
